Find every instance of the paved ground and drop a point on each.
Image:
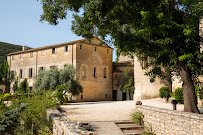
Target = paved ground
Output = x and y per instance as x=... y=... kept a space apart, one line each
x=103 y=114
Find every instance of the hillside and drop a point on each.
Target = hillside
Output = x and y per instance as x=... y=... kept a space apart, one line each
x=6 y=48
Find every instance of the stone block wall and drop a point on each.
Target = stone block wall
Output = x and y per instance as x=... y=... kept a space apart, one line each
x=166 y=122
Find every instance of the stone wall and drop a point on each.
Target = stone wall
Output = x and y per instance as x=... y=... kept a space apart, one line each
x=165 y=122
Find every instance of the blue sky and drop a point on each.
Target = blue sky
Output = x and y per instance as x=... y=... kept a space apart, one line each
x=19 y=24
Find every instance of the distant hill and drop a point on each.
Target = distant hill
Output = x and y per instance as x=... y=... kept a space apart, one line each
x=6 y=48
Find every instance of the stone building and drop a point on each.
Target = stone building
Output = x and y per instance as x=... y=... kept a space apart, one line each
x=92 y=60
x=119 y=69
x=144 y=89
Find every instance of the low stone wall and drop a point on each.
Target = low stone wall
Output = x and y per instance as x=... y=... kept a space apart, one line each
x=63 y=125
x=166 y=122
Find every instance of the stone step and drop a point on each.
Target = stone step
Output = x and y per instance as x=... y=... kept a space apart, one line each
x=130 y=128
x=132 y=132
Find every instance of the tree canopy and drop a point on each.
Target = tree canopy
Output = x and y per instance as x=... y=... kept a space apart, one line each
x=165 y=30
x=51 y=79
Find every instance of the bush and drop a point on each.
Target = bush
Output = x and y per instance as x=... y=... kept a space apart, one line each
x=29 y=119
x=199 y=91
x=179 y=95
x=137 y=117
x=23 y=86
x=164 y=92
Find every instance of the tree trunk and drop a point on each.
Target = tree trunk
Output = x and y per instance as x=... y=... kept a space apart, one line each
x=190 y=98
x=129 y=96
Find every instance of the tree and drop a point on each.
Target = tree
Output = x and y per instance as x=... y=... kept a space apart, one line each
x=63 y=79
x=6 y=76
x=23 y=86
x=128 y=82
x=165 y=30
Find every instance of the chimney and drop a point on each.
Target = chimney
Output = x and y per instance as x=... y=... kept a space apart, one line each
x=25 y=48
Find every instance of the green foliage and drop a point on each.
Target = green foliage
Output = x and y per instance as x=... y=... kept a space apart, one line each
x=137 y=117
x=179 y=95
x=6 y=48
x=23 y=86
x=3 y=96
x=50 y=79
x=6 y=77
x=128 y=82
x=32 y=120
x=199 y=91
x=15 y=86
x=9 y=119
x=165 y=92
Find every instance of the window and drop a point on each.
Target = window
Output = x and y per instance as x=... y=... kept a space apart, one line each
x=94 y=72
x=95 y=49
x=12 y=73
x=20 y=55
x=41 y=69
x=66 y=49
x=42 y=52
x=107 y=51
x=106 y=96
x=30 y=89
x=53 y=50
x=144 y=62
x=31 y=54
x=13 y=57
x=83 y=72
x=104 y=72
x=52 y=67
x=82 y=97
x=80 y=46
x=21 y=74
x=30 y=73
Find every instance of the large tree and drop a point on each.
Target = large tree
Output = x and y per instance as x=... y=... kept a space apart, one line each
x=165 y=30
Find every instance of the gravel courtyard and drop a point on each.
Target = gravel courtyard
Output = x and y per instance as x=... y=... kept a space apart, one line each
x=109 y=110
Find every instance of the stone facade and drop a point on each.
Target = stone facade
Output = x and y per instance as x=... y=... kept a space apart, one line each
x=119 y=69
x=171 y=122
x=144 y=89
x=90 y=58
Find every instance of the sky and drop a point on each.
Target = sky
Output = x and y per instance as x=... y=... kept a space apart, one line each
x=20 y=24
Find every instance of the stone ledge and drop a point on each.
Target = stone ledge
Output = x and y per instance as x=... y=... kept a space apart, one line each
x=174 y=112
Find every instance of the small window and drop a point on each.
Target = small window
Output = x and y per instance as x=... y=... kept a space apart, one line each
x=20 y=55
x=42 y=52
x=116 y=75
x=94 y=72
x=95 y=49
x=83 y=72
x=53 y=50
x=30 y=89
x=13 y=57
x=31 y=54
x=106 y=96
x=12 y=73
x=80 y=46
x=104 y=72
x=52 y=67
x=41 y=69
x=21 y=74
x=107 y=51
x=30 y=73
x=66 y=49
x=81 y=97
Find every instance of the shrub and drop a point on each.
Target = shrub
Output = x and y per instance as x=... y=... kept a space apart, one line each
x=179 y=95
x=23 y=86
x=137 y=117
x=50 y=79
x=30 y=119
x=199 y=91
x=164 y=92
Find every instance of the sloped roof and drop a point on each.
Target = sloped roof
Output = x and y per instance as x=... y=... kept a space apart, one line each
x=58 y=45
